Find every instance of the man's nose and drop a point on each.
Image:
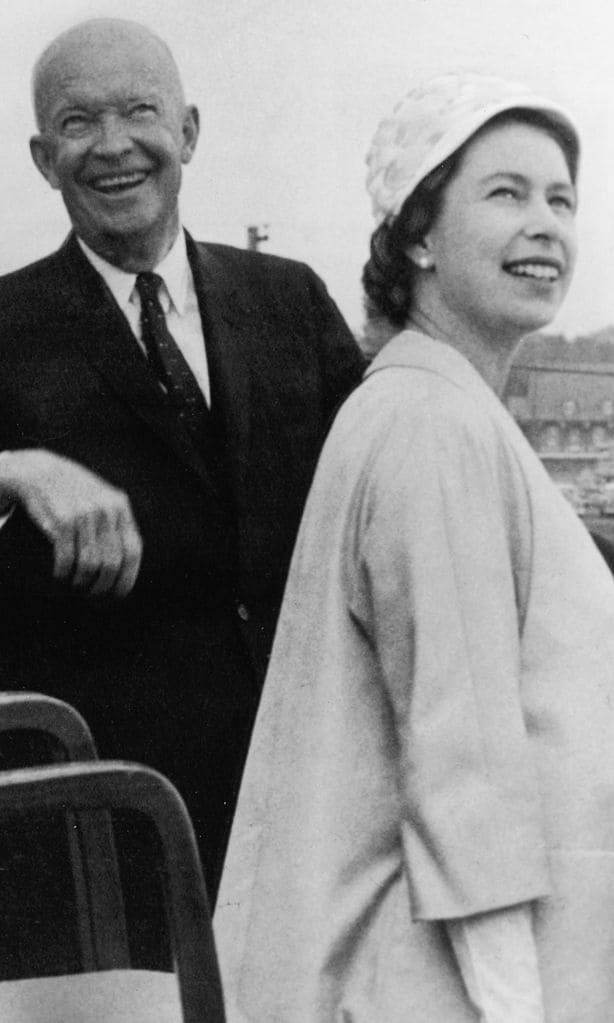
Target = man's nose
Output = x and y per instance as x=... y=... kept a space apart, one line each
x=112 y=137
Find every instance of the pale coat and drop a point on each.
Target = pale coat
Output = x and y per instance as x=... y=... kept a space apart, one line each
x=436 y=735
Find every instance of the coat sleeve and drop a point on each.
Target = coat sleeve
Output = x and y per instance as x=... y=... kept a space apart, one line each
x=444 y=547
x=342 y=363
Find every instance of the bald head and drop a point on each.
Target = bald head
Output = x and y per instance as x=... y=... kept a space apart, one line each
x=114 y=133
x=116 y=39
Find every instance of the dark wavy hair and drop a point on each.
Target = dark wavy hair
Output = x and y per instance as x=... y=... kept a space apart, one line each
x=389 y=275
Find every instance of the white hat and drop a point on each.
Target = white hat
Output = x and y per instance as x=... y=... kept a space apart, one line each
x=433 y=121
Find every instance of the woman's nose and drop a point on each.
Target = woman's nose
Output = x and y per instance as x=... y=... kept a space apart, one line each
x=542 y=220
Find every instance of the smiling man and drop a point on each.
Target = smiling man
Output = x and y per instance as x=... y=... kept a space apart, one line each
x=158 y=432
x=114 y=133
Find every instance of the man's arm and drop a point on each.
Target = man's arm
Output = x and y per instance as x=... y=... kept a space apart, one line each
x=88 y=522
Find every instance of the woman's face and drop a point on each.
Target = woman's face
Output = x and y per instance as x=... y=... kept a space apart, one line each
x=504 y=244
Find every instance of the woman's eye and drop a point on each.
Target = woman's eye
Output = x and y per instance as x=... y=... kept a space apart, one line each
x=504 y=192
x=564 y=202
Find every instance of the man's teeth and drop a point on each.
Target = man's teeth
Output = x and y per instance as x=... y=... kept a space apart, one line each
x=539 y=270
x=114 y=181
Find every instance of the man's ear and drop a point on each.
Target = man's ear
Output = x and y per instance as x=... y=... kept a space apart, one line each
x=190 y=129
x=419 y=253
x=40 y=148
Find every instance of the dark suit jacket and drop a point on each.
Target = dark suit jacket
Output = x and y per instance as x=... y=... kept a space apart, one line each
x=170 y=675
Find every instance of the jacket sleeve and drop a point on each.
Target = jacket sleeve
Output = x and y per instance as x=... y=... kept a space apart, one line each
x=26 y=557
x=341 y=360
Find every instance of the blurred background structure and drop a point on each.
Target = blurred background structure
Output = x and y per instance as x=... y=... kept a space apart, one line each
x=561 y=394
x=290 y=92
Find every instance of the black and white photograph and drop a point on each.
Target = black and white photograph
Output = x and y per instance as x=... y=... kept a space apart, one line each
x=307 y=512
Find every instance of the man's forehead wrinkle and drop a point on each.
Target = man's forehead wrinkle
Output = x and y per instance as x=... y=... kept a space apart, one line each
x=71 y=86
x=112 y=46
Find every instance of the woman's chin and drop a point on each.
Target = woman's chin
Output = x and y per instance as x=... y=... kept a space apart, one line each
x=536 y=316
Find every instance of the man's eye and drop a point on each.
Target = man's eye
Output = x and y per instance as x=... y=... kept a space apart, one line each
x=74 y=122
x=142 y=110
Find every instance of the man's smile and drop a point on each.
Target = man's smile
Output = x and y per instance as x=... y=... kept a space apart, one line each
x=110 y=184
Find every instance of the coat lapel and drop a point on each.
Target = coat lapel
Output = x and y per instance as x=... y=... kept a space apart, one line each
x=249 y=391
x=100 y=329
x=228 y=328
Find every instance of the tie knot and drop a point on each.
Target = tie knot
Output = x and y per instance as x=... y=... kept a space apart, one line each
x=148 y=285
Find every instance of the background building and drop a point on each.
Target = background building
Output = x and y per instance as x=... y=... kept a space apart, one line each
x=561 y=394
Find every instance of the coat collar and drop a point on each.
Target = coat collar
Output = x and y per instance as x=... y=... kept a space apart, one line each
x=413 y=350
x=215 y=281
x=228 y=320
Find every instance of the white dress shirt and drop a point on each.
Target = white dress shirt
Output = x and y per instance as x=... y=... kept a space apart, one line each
x=177 y=298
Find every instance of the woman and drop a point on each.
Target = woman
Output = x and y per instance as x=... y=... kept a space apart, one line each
x=425 y=831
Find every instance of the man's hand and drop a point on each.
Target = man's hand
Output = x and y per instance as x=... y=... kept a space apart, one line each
x=96 y=543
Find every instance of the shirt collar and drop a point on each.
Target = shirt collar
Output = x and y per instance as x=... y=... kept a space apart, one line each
x=174 y=270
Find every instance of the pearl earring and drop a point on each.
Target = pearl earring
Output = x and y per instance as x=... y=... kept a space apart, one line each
x=424 y=262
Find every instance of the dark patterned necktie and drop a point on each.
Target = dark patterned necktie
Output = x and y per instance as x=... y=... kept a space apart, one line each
x=167 y=360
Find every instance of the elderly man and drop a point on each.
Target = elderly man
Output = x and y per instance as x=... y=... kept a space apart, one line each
x=162 y=403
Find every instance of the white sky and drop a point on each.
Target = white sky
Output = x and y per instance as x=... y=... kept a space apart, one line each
x=290 y=93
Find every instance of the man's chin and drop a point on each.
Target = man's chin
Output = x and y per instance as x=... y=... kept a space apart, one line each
x=117 y=227
x=131 y=246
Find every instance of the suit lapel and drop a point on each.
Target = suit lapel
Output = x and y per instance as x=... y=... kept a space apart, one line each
x=242 y=335
x=100 y=329
x=228 y=329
